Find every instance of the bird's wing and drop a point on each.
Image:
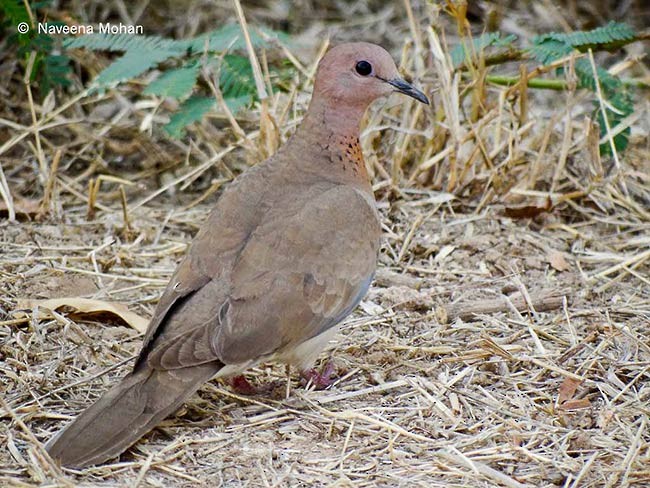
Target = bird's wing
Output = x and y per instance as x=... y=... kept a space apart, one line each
x=200 y=282
x=296 y=276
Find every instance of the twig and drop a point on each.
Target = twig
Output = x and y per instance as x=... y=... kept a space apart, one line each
x=542 y=301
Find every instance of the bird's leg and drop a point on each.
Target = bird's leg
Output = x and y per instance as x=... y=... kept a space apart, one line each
x=288 y=385
x=320 y=379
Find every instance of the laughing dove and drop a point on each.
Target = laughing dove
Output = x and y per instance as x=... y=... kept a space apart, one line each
x=287 y=253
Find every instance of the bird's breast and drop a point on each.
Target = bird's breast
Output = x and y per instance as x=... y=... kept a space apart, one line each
x=346 y=155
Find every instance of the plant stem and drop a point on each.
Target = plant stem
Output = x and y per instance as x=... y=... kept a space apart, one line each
x=532 y=83
x=555 y=84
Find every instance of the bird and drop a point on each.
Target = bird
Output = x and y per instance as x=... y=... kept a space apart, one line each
x=288 y=251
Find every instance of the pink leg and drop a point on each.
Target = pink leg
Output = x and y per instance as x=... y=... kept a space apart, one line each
x=321 y=380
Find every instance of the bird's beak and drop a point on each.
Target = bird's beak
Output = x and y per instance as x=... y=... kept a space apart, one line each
x=407 y=89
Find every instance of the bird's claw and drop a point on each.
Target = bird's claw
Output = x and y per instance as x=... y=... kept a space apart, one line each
x=320 y=380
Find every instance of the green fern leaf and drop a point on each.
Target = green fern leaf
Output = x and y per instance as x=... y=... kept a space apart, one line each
x=238 y=103
x=16 y=13
x=176 y=83
x=619 y=107
x=609 y=36
x=141 y=54
x=236 y=77
x=125 y=42
x=554 y=45
x=621 y=140
x=229 y=37
x=279 y=36
x=550 y=47
x=460 y=53
x=609 y=84
x=133 y=63
x=193 y=109
x=56 y=69
x=618 y=99
x=546 y=49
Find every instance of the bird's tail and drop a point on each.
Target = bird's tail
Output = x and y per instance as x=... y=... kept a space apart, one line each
x=125 y=413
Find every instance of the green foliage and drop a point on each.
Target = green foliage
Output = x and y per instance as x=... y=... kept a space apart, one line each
x=553 y=46
x=15 y=12
x=236 y=77
x=550 y=47
x=141 y=53
x=49 y=69
x=144 y=53
x=134 y=63
x=490 y=39
x=619 y=103
x=237 y=103
x=176 y=83
x=547 y=50
x=125 y=42
x=193 y=109
x=229 y=37
x=55 y=70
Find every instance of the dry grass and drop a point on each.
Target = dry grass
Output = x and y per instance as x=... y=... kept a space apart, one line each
x=492 y=350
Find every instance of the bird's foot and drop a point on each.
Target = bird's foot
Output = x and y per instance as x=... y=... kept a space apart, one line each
x=242 y=386
x=319 y=379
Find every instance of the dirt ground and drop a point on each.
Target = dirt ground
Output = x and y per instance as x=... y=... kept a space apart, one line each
x=504 y=341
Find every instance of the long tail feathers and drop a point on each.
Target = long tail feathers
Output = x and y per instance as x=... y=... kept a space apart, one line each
x=125 y=413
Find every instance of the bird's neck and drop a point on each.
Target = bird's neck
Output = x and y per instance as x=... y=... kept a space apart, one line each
x=330 y=132
x=334 y=116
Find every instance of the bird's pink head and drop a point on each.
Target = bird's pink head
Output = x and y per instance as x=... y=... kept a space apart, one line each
x=355 y=74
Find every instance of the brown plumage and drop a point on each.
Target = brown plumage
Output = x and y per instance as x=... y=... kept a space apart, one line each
x=288 y=251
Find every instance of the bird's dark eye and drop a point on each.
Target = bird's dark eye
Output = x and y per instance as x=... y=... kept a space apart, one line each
x=364 y=68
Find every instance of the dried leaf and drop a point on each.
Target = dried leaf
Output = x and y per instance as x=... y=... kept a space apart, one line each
x=87 y=307
x=23 y=207
x=577 y=404
x=557 y=261
x=528 y=211
x=568 y=390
